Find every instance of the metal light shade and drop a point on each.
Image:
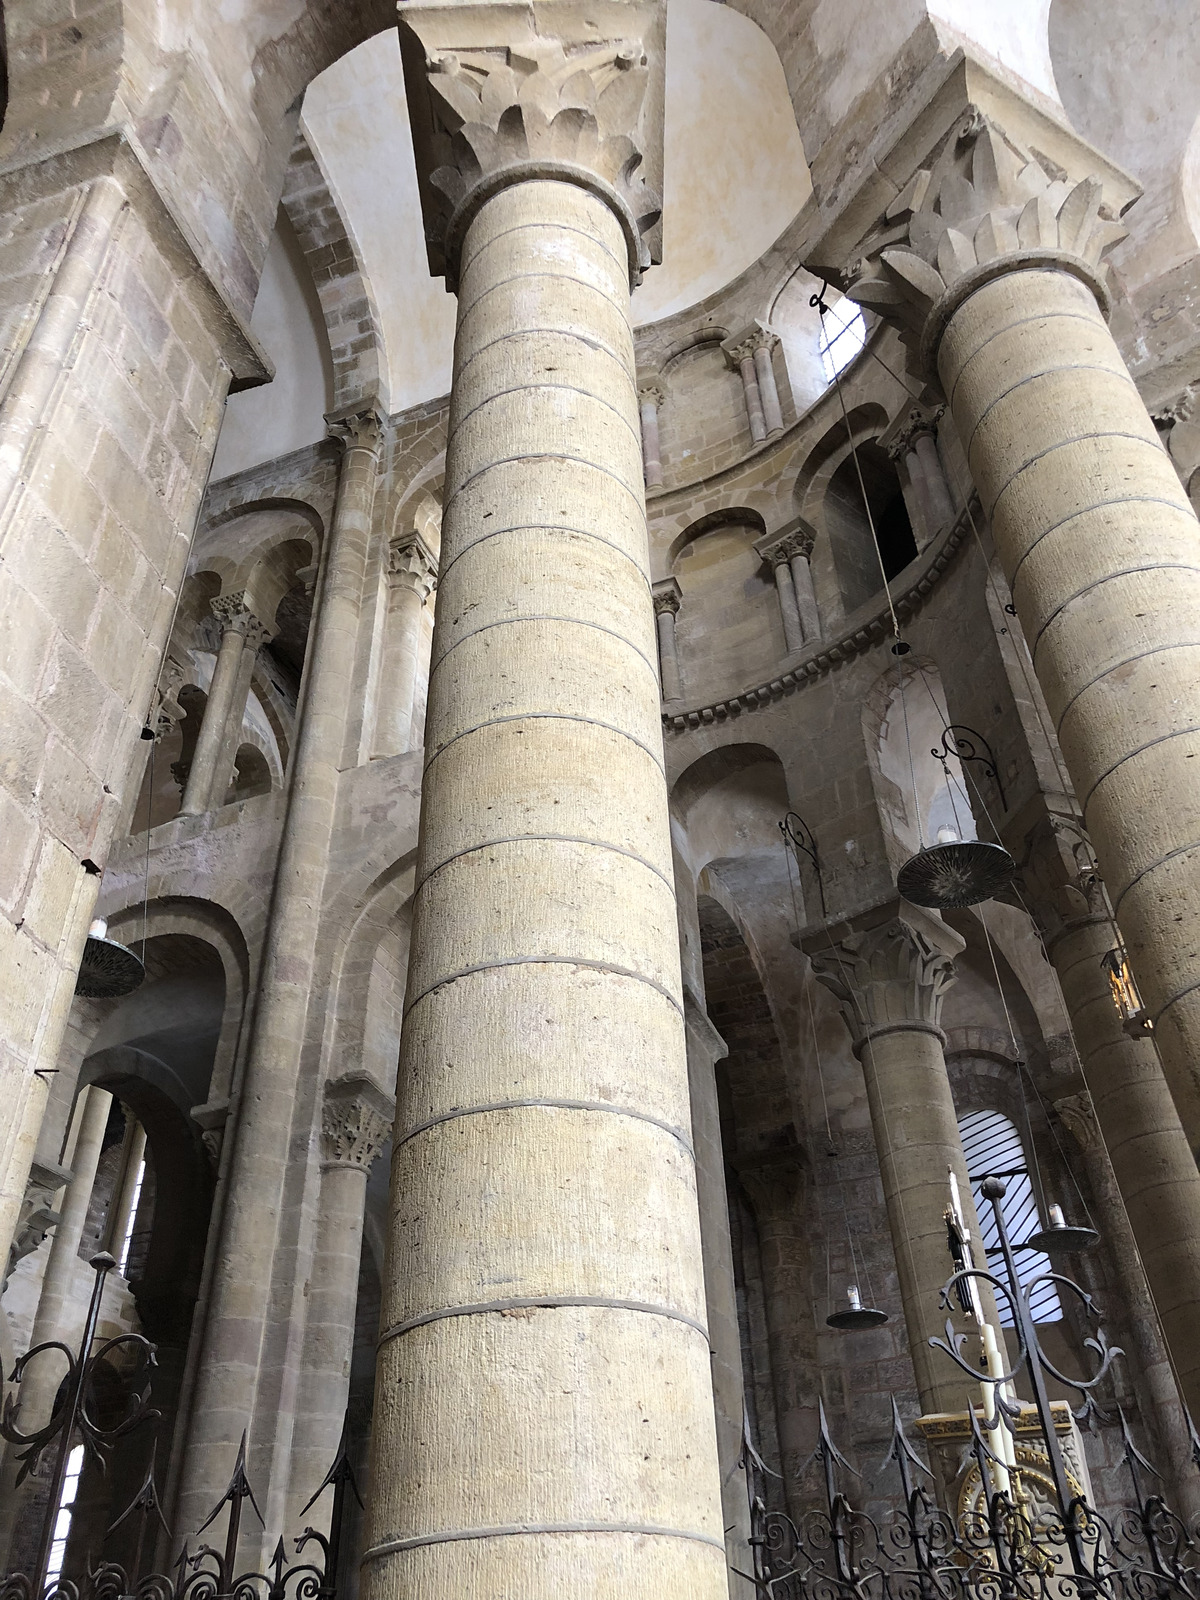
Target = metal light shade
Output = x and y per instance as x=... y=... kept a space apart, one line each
x=856 y=1315
x=108 y=970
x=1060 y=1235
x=960 y=873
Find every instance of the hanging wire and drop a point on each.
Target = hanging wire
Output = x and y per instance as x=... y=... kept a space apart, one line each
x=146 y=876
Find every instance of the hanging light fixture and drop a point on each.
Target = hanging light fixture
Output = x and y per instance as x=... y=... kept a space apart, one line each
x=108 y=969
x=1125 y=996
x=955 y=872
x=1060 y=1235
x=856 y=1315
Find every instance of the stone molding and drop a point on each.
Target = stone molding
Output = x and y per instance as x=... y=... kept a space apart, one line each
x=826 y=657
x=984 y=206
x=411 y=565
x=358 y=430
x=667 y=596
x=501 y=93
x=234 y=615
x=356 y=1121
x=887 y=979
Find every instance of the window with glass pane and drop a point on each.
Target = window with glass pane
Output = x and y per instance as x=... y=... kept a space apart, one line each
x=993 y=1148
x=843 y=334
x=62 y=1521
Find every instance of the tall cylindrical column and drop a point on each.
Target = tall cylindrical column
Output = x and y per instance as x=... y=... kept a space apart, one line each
x=1150 y=1360
x=793 y=631
x=650 y=397
x=890 y=981
x=1101 y=550
x=237 y=622
x=40 y=1385
x=764 y=371
x=667 y=599
x=1137 y=1116
x=543 y=1414
x=800 y=547
x=411 y=572
x=356 y=1119
x=227 y=1397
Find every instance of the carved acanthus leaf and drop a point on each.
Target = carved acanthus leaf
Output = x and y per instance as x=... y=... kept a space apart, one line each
x=985 y=198
x=887 y=977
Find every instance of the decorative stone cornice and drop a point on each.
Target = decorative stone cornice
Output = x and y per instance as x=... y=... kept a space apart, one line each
x=824 y=658
x=411 y=565
x=501 y=92
x=1078 y=1116
x=357 y=430
x=667 y=596
x=987 y=206
x=356 y=1121
x=887 y=979
x=234 y=615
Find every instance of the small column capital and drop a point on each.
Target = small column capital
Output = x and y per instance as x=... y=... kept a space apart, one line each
x=653 y=389
x=1061 y=877
x=502 y=93
x=234 y=615
x=667 y=596
x=411 y=565
x=776 y=1177
x=738 y=349
x=980 y=200
x=901 y=438
x=888 y=979
x=356 y=1121
x=1078 y=1116
x=785 y=549
x=358 y=430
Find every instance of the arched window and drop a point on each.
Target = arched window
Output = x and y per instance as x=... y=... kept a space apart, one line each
x=251 y=774
x=857 y=556
x=993 y=1148
x=843 y=334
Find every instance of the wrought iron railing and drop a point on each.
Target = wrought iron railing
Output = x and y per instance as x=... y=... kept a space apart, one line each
x=202 y=1571
x=1029 y=1533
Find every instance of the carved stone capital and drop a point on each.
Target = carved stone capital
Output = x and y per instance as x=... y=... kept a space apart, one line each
x=1060 y=877
x=999 y=189
x=499 y=93
x=234 y=615
x=667 y=596
x=653 y=390
x=411 y=565
x=358 y=430
x=887 y=979
x=1078 y=1116
x=36 y=1216
x=902 y=437
x=785 y=550
x=775 y=1178
x=356 y=1121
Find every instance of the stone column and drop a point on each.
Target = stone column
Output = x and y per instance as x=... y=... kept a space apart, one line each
x=793 y=632
x=240 y=630
x=543 y=1414
x=410 y=576
x=253 y=1299
x=1150 y=1360
x=1096 y=536
x=667 y=599
x=910 y=440
x=38 y=1389
x=764 y=368
x=356 y=1121
x=890 y=981
x=775 y=1182
x=705 y=1048
x=1145 y=1142
x=739 y=356
x=651 y=395
x=925 y=444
